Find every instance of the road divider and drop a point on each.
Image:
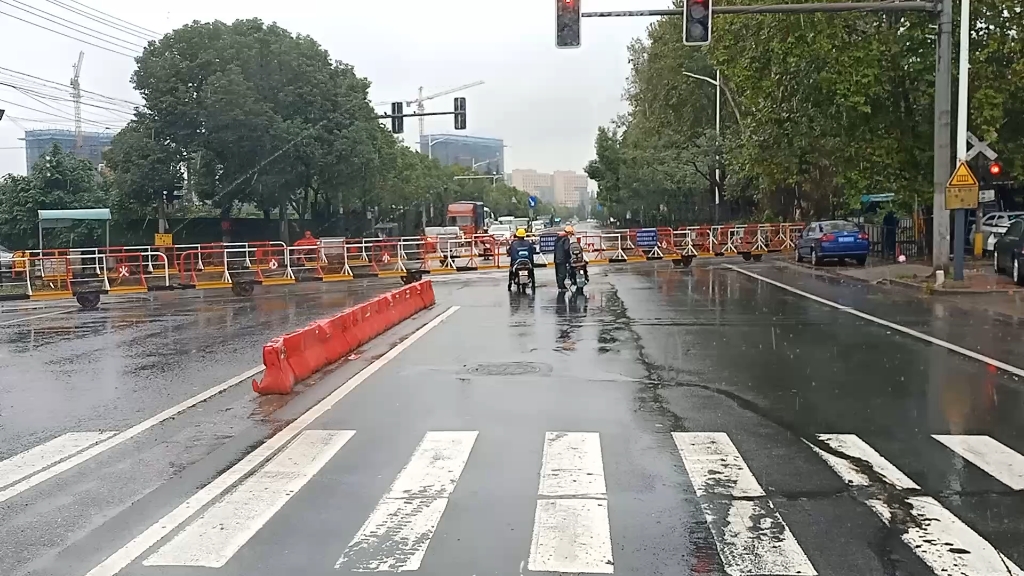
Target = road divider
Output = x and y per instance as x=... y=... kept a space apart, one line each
x=296 y=356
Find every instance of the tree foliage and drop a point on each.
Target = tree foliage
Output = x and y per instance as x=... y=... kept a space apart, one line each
x=58 y=181
x=817 y=110
x=248 y=114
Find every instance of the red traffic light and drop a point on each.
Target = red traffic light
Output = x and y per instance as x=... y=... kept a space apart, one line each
x=995 y=168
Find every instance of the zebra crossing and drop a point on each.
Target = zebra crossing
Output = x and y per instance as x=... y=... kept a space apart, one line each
x=572 y=529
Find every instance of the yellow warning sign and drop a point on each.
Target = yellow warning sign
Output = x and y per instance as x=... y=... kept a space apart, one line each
x=962 y=178
x=163 y=240
x=962 y=189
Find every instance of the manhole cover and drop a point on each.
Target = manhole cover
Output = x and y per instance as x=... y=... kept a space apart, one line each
x=506 y=369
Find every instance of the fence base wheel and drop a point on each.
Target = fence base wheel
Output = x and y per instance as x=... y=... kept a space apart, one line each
x=746 y=256
x=412 y=276
x=88 y=300
x=243 y=289
x=685 y=261
x=758 y=257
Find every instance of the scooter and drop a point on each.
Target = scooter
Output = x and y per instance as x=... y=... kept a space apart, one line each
x=578 y=278
x=521 y=275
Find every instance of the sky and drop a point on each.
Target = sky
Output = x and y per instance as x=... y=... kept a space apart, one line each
x=545 y=103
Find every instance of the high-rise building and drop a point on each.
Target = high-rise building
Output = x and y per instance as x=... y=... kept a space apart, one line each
x=484 y=155
x=39 y=142
x=570 y=188
x=534 y=183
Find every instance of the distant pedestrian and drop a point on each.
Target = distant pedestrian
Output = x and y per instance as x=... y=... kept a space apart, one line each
x=889 y=226
x=562 y=257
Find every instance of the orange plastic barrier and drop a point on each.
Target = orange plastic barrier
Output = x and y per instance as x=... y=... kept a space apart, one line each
x=300 y=354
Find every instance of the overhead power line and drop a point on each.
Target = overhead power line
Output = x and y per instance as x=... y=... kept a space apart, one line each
x=110 y=125
x=59 y=33
x=65 y=86
x=137 y=27
x=104 y=21
x=62 y=98
x=68 y=24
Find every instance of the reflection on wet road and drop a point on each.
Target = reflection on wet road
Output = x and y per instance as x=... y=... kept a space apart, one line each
x=670 y=421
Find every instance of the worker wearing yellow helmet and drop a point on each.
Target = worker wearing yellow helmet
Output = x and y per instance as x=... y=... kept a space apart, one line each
x=520 y=249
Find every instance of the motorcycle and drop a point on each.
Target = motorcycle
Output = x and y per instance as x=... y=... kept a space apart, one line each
x=521 y=276
x=577 y=277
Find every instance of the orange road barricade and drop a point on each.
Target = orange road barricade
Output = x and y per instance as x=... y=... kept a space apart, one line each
x=298 y=355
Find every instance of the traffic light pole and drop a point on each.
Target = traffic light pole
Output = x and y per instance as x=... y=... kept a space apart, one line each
x=942 y=151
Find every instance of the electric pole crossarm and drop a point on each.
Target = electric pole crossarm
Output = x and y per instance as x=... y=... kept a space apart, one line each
x=909 y=6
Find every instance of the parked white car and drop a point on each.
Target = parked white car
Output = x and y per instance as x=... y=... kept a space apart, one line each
x=993 y=226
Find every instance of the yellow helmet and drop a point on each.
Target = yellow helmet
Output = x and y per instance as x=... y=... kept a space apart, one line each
x=569 y=230
x=520 y=233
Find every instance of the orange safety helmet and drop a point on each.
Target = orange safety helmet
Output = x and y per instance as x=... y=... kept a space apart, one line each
x=569 y=230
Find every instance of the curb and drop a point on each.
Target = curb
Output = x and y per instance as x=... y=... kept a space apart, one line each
x=297 y=355
x=907 y=284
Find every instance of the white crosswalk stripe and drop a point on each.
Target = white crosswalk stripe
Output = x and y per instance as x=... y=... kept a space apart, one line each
x=396 y=535
x=947 y=545
x=45 y=455
x=990 y=455
x=751 y=536
x=223 y=529
x=571 y=532
x=572 y=528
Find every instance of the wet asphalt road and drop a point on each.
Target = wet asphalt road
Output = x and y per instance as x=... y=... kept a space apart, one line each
x=456 y=437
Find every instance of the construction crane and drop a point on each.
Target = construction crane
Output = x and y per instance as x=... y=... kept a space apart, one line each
x=420 y=99
x=76 y=96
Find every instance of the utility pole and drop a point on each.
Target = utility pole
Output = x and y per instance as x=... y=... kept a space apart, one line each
x=942 y=152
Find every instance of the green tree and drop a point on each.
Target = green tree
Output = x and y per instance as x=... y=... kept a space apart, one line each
x=251 y=113
x=58 y=181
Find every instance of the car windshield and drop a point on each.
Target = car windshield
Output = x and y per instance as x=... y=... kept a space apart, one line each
x=839 y=226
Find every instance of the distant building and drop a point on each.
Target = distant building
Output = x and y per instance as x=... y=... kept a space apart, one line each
x=484 y=155
x=534 y=183
x=39 y=142
x=570 y=188
x=563 y=188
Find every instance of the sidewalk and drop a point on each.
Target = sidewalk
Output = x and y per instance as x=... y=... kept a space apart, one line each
x=980 y=288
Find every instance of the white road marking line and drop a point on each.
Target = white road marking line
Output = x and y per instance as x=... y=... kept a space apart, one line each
x=910 y=332
x=33 y=460
x=572 y=533
x=947 y=545
x=571 y=536
x=715 y=466
x=396 y=535
x=122 y=437
x=27 y=318
x=851 y=445
x=751 y=536
x=127 y=554
x=990 y=455
x=572 y=465
x=226 y=526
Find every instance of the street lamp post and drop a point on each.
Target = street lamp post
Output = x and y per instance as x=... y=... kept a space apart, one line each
x=430 y=144
x=717 y=82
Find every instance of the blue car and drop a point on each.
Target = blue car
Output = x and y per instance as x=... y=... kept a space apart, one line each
x=833 y=240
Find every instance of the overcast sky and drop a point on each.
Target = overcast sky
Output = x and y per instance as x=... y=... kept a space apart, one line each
x=544 y=102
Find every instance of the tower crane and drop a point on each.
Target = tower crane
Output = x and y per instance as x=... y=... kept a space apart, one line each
x=76 y=95
x=420 y=99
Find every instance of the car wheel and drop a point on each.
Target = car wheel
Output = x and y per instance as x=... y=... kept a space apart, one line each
x=862 y=260
x=1017 y=279
x=815 y=261
x=995 y=263
x=799 y=256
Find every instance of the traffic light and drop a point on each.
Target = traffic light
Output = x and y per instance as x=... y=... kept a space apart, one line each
x=995 y=169
x=567 y=23
x=697 y=23
x=460 y=113
x=397 y=121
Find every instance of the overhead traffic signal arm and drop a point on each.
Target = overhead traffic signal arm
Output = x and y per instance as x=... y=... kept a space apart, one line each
x=697 y=23
x=398 y=115
x=567 y=23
